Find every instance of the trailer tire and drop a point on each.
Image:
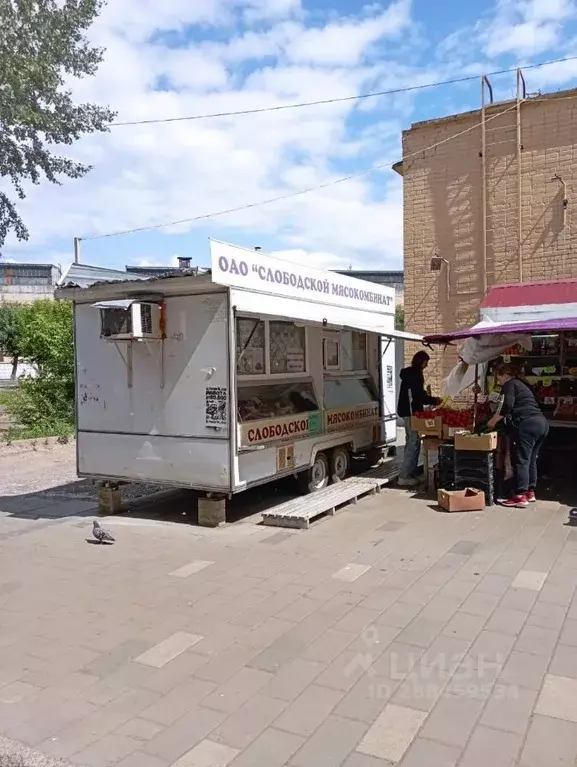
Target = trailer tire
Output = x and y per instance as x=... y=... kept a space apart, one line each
x=340 y=463
x=317 y=476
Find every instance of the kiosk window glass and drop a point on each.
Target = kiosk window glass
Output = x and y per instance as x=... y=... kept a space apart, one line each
x=250 y=357
x=344 y=392
x=257 y=403
x=287 y=347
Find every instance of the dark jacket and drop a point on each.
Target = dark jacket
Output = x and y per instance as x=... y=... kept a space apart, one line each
x=413 y=397
x=518 y=403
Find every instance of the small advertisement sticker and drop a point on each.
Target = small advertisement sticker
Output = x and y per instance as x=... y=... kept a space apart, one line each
x=216 y=407
x=390 y=378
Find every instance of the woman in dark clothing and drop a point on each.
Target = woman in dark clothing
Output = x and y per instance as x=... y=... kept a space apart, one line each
x=528 y=428
x=412 y=399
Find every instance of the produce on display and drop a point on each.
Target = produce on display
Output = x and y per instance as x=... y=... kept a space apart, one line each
x=457 y=417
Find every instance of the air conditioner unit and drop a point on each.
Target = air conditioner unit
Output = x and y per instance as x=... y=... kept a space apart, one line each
x=133 y=321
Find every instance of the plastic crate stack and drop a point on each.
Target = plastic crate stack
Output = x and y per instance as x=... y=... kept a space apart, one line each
x=477 y=470
x=446 y=467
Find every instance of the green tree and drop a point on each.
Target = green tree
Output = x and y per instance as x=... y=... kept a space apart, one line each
x=45 y=401
x=47 y=337
x=10 y=333
x=399 y=318
x=42 y=44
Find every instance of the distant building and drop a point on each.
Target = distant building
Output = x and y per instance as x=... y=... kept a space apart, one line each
x=26 y=283
x=151 y=271
x=184 y=262
x=82 y=274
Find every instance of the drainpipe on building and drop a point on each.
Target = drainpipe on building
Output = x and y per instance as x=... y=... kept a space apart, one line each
x=485 y=84
x=521 y=96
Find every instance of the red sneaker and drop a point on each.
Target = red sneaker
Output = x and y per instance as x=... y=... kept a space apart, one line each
x=531 y=497
x=516 y=502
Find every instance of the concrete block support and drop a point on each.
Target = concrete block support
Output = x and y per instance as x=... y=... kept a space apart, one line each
x=211 y=512
x=109 y=500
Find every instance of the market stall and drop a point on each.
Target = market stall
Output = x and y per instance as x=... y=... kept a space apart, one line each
x=254 y=371
x=544 y=351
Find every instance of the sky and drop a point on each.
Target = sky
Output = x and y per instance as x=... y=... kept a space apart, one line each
x=179 y=58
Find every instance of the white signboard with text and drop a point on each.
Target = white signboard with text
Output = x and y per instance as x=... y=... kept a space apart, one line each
x=253 y=270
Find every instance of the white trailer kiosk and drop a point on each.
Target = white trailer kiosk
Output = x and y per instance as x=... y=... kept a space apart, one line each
x=256 y=370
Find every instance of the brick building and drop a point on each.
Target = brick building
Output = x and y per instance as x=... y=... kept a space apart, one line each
x=494 y=201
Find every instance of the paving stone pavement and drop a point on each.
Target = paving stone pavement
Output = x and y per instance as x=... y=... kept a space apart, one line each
x=390 y=634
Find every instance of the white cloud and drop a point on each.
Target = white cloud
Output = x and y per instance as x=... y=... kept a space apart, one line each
x=319 y=259
x=271 y=9
x=149 y=174
x=177 y=57
x=345 y=42
x=555 y=75
x=527 y=27
x=166 y=261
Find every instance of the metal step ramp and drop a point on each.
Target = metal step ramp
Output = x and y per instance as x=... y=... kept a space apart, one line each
x=301 y=511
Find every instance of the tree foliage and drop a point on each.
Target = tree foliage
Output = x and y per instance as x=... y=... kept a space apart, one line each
x=10 y=333
x=47 y=338
x=42 y=46
x=46 y=400
x=399 y=317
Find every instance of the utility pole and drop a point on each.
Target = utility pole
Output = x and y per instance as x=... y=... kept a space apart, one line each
x=77 y=241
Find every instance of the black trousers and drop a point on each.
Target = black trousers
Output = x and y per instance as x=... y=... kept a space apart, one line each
x=527 y=440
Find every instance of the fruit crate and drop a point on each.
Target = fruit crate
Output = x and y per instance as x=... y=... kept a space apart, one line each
x=464 y=459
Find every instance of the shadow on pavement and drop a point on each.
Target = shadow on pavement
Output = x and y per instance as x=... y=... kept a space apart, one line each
x=146 y=501
x=181 y=505
x=52 y=503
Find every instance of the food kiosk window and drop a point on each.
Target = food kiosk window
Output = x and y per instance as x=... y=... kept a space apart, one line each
x=286 y=348
x=257 y=403
x=331 y=354
x=342 y=392
x=345 y=351
x=358 y=350
x=550 y=367
x=269 y=347
x=250 y=338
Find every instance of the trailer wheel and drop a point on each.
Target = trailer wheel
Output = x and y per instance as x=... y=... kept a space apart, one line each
x=340 y=463
x=317 y=477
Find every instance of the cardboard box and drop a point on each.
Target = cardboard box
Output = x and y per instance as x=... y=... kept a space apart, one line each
x=427 y=427
x=461 y=500
x=450 y=431
x=477 y=442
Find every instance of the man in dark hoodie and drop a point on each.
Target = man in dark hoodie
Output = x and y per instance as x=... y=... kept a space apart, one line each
x=412 y=399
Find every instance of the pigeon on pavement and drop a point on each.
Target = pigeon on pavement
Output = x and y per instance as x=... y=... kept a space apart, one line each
x=101 y=534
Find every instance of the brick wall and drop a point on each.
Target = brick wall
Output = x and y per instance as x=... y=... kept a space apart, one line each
x=443 y=210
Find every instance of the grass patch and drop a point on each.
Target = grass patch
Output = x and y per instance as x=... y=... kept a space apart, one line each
x=6 y=397
x=64 y=431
